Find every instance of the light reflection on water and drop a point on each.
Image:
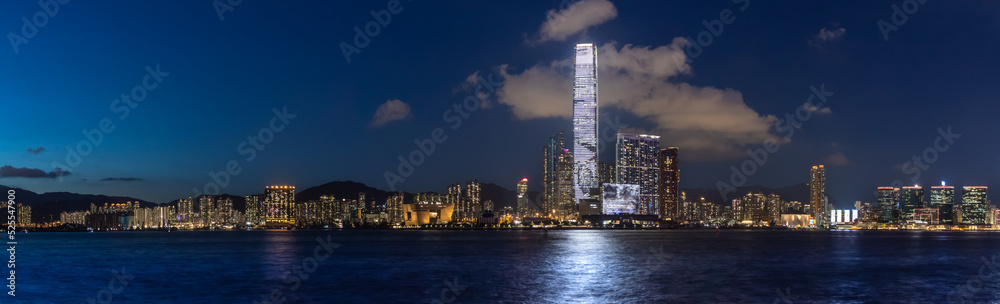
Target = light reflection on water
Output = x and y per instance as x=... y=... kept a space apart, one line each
x=558 y=266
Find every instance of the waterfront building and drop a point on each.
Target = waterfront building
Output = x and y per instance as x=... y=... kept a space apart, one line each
x=279 y=205
x=669 y=184
x=585 y=109
x=975 y=205
x=638 y=164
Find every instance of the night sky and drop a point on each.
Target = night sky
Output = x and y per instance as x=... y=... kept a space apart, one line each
x=220 y=81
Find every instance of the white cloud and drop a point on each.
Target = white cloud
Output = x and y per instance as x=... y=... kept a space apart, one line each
x=391 y=110
x=812 y=108
x=708 y=122
x=827 y=34
x=837 y=159
x=578 y=17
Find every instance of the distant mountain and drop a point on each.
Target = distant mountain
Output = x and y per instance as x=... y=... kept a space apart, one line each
x=342 y=189
x=48 y=205
x=796 y=192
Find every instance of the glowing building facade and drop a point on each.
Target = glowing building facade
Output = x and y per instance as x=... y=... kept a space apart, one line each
x=888 y=205
x=522 y=198
x=669 y=187
x=975 y=205
x=910 y=198
x=279 y=206
x=557 y=195
x=638 y=164
x=817 y=196
x=943 y=199
x=585 y=143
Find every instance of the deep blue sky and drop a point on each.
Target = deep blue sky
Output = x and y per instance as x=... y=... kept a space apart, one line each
x=939 y=69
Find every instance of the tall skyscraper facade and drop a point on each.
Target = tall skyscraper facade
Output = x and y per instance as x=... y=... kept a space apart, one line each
x=888 y=205
x=279 y=206
x=670 y=178
x=975 y=205
x=817 y=196
x=638 y=158
x=585 y=145
x=185 y=209
x=454 y=197
x=557 y=176
x=255 y=209
x=522 y=198
x=910 y=198
x=943 y=199
x=473 y=203
x=394 y=209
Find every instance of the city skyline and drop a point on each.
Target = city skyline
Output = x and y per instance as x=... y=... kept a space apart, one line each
x=218 y=115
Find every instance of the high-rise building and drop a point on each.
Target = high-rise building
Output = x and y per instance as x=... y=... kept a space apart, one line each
x=585 y=144
x=23 y=215
x=910 y=198
x=758 y=208
x=206 y=210
x=670 y=178
x=185 y=209
x=975 y=205
x=522 y=199
x=638 y=158
x=557 y=176
x=255 y=209
x=943 y=199
x=454 y=198
x=394 y=208
x=224 y=210
x=279 y=206
x=606 y=172
x=817 y=196
x=888 y=205
x=473 y=203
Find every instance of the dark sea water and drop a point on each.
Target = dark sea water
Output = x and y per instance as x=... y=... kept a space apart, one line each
x=580 y=266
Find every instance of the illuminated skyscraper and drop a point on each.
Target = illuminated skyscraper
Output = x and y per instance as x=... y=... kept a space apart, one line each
x=23 y=215
x=638 y=158
x=255 y=209
x=888 y=205
x=454 y=197
x=943 y=199
x=557 y=174
x=910 y=198
x=670 y=178
x=279 y=206
x=474 y=206
x=185 y=209
x=522 y=198
x=585 y=123
x=975 y=205
x=817 y=196
x=394 y=208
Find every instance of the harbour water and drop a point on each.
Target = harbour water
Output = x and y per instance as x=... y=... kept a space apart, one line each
x=526 y=266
